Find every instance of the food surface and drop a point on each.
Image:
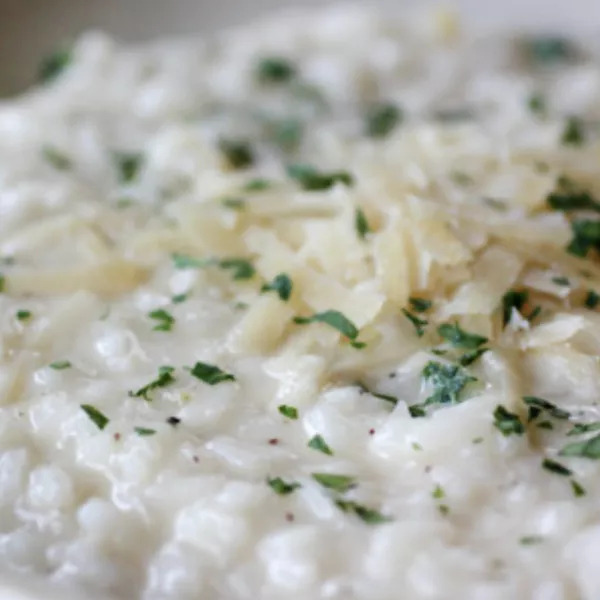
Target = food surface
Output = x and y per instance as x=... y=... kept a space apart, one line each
x=307 y=310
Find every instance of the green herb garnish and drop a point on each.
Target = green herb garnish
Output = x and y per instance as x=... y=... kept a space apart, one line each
x=460 y=338
x=537 y=104
x=361 y=224
x=419 y=324
x=586 y=235
x=382 y=119
x=448 y=381
x=165 y=320
x=234 y=203
x=24 y=315
x=578 y=489
x=438 y=492
x=368 y=515
x=568 y=197
x=128 y=165
x=556 y=467
x=281 y=284
x=54 y=64
x=584 y=428
x=210 y=374
x=240 y=267
x=585 y=449
x=281 y=487
x=100 y=420
x=275 y=69
x=287 y=133
x=311 y=179
x=165 y=378
x=318 y=443
x=468 y=358
x=179 y=298
x=574 y=132
x=337 y=483
x=592 y=299
x=291 y=412
x=539 y=405
x=507 y=423
x=60 y=161
x=143 y=431
x=257 y=185
x=420 y=305
x=338 y=321
x=549 y=50
x=2 y=283
x=237 y=153
x=530 y=540
x=562 y=281
x=183 y=261
x=385 y=397
x=60 y=365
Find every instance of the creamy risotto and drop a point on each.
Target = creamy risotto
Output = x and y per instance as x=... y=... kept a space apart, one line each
x=306 y=310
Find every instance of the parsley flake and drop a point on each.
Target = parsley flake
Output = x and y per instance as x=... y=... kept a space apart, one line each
x=530 y=540
x=419 y=324
x=291 y=412
x=165 y=320
x=165 y=378
x=237 y=153
x=281 y=487
x=240 y=267
x=144 y=431
x=556 y=467
x=282 y=284
x=574 y=133
x=368 y=515
x=585 y=449
x=338 y=321
x=468 y=358
x=318 y=443
x=507 y=423
x=2 y=282
x=549 y=50
x=361 y=224
x=275 y=69
x=210 y=374
x=257 y=185
x=578 y=489
x=23 y=315
x=310 y=179
x=537 y=104
x=234 y=203
x=286 y=133
x=448 y=381
x=459 y=338
x=420 y=305
x=100 y=420
x=592 y=299
x=562 y=281
x=568 y=197
x=586 y=235
x=382 y=119
x=60 y=365
x=128 y=165
x=337 y=483
x=539 y=405
x=513 y=299
x=183 y=261
x=179 y=298
x=54 y=64
x=60 y=161
x=584 y=428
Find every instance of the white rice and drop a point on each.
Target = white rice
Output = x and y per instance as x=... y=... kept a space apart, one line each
x=443 y=506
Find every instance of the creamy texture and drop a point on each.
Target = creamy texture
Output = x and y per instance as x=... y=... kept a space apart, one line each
x=128 y=185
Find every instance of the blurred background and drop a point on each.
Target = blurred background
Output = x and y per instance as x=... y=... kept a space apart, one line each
x=29 y=29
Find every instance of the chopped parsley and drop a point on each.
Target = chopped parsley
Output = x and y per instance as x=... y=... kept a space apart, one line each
x=584 y=428
x=173 y=421
x=574 y=133
x=2 y=282
x=586 y=235
x=59 y=365
x=281 y=487
x=468 y=358
x=562 y=281
x=183 y=261
x=100 y=420
x=128 y=165
x=459 y=338
x=419 y=324
x=54 y=64
x=60 y=161
x=537 y=104
x=144 y=431
x=368 y=515
x=387 y=398
x=275 y=69
x=447 y=381
x=240 y=267
x=210 y=374
x=578 y=489
x=338 y=321
x=530 y=540
x=420 y=305
x=234 y=203
x=337 y=483
x=507 y=423
x=361 y=224
x=592 y=299
x=556 y=467
x=549 y=50
x=179 y=298
x=286 y=133
x=318 y=443
x=567 y=197
x=257 y=185
x=382 y=119
x=282 y=284
x=23 y=315
x=513 y=299
x=237 y=153
x=585 y=449
x=165 y=320
x=438 y=492
x=310 y=179
x=165 y=378
x=291 y=412
x=539 y=405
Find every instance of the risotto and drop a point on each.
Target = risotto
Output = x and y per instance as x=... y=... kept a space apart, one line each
x=304 y=310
